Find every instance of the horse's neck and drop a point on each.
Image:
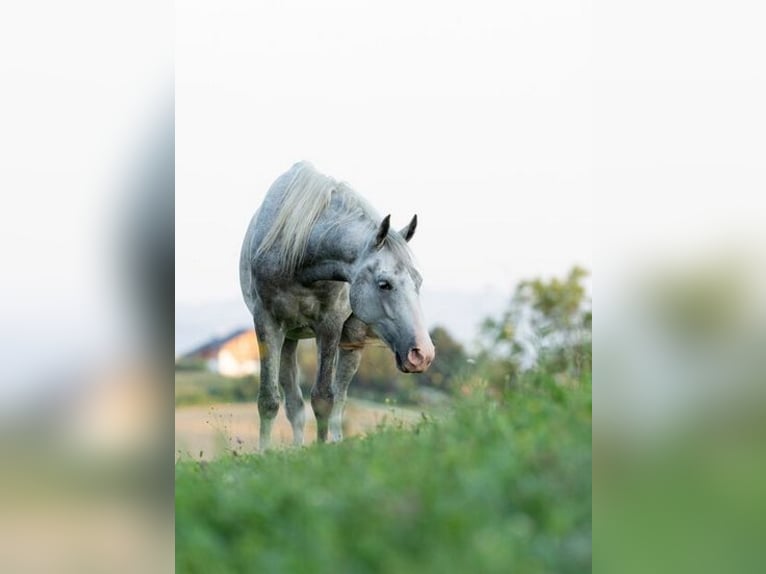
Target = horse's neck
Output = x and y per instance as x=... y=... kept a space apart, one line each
x=333 y=251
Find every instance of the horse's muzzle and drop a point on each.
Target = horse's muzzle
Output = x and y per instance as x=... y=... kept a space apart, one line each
x=418 y=359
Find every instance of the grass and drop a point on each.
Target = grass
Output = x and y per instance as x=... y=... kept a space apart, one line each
x=498 y=485
x=200 y=387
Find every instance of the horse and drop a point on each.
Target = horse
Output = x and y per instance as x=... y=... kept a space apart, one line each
x=318 y=262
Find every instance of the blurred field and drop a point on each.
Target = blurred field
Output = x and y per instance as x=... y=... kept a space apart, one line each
x=207 y=431
x=201 y=387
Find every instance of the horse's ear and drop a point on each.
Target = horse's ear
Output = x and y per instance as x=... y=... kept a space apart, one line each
x=409 y=231
x=382 y=231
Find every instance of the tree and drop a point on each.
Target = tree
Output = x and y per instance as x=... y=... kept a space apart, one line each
x=547 y=323
x=449 y=363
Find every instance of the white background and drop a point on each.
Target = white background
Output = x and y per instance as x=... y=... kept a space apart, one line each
x=479 y=120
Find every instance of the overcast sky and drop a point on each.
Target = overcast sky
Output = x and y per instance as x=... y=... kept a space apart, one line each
x=477 y=120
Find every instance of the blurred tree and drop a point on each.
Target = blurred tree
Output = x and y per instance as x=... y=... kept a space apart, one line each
x=449 y=363
x=378 y=376
x=547 y=323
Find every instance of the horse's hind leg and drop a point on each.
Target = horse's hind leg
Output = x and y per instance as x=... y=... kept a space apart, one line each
x=270 y=340
x=288 y=378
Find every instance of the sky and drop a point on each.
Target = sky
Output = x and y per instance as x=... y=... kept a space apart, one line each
x=477 y=120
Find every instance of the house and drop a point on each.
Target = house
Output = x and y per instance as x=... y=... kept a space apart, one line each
x=234 y=355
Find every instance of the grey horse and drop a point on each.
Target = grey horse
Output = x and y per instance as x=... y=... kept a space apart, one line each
x=318 y=262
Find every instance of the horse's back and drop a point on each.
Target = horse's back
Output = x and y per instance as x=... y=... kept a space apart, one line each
x=263 y=279
x=257 y=229
x=257 y=269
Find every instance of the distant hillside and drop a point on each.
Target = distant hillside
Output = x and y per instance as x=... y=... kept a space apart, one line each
x=459 y=312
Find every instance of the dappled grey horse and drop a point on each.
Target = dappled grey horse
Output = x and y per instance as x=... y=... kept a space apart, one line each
x=317 y=261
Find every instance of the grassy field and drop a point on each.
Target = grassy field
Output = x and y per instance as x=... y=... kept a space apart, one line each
x=499 y=484
x=202 y=387
x=205 y=432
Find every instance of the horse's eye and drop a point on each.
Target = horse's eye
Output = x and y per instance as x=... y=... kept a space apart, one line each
x=385 y=285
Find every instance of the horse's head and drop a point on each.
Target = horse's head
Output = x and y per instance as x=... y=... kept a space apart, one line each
x=385 y=295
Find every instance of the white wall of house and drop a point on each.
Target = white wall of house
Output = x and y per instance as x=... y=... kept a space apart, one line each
x=230 y=366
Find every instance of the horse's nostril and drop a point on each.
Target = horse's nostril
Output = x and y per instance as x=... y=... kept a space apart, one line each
x=415 y=356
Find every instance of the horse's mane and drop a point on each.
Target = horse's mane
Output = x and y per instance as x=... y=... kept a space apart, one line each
x=307 y=195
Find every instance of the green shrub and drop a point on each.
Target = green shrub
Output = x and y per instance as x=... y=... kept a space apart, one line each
x=500 y=484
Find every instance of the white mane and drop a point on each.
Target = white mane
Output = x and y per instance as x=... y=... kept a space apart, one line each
x=307 y=195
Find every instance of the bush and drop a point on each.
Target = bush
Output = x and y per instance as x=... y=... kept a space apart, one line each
x=501 y=484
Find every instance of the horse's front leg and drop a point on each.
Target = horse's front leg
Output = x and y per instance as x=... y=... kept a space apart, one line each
x=323 y=391
x=348 y=363
x=270 y=339
x=349 y=356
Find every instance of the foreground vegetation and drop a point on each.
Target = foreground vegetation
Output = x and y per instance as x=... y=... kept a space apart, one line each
x=499 y=485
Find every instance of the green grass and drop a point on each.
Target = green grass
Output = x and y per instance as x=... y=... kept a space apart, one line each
x=198 y=387
x=498 y=485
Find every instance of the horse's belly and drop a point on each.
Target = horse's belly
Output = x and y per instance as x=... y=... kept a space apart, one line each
x=300 y=333
x=301 y=309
